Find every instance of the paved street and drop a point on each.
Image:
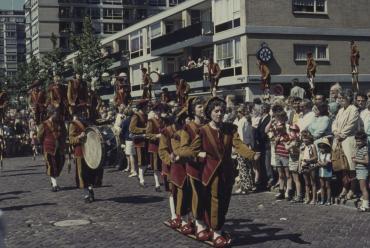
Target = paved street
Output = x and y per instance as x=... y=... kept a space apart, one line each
x=125 y=215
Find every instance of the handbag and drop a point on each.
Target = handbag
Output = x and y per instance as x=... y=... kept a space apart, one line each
x=338 y=158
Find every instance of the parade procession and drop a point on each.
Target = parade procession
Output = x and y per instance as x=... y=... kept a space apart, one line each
x=188 y=123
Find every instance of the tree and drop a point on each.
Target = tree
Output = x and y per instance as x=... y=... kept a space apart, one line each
x=90 y=60
x=52 y=63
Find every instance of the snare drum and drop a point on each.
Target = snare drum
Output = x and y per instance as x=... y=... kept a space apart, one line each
x=100 y=147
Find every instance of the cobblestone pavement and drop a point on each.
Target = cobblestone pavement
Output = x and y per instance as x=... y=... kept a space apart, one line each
x=126 y=215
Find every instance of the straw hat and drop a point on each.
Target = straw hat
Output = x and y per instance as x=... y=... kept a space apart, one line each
x=324 y=142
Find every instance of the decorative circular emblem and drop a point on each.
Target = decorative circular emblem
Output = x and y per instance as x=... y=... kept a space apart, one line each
x=264 y=53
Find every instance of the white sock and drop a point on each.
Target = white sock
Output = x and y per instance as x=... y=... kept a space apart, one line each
x=216 y=234
x=141 y=174
x=184 y=219
x=200 y=225
x=172 y=207
x=365 y=203
x=156 y=179
x=53 y=181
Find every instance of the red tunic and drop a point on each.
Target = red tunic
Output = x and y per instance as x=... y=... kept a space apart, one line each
x=193 y=169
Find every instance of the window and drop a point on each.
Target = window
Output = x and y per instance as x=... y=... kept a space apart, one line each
x=310 y=6
x=224 y=53
x=10 y=34
x=95 y=13
x=112 y=13
x=79 y=12
x=64 y=27
x=64 y=12
x=136 y=45
x=110 y=28
x=113 y=2
x=320 y=52
x=11 y=58
x=237 y=52
x=226 y=10
x=155 y=30
x=228 y=54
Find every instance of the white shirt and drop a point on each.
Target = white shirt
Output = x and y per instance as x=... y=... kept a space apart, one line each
x=245 y=131
x=306 y=120
x=365 y=119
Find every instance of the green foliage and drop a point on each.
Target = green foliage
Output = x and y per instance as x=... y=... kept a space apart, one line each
x=90 y=60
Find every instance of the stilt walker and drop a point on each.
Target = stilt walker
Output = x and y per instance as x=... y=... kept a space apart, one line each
x=265 y=77
x=355 y=62
x=311 y=72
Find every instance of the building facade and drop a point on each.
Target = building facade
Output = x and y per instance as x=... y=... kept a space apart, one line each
x=232 y=31
x=63 y=17
x=12 y=41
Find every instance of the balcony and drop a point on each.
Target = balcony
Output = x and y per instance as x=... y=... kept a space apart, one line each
x=198 y=34
x=191 y=75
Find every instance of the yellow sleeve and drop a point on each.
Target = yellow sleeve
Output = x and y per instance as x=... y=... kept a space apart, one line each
x=185 y=149
x=133 y=126
x=73 y=139
x=149 y=131
x=242 y=148
x=163 y=150
x=69 y=92
x=175 y=143
x=40 y=133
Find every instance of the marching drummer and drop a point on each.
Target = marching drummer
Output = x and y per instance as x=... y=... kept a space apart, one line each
x=153 y=133
x=85 y=177
x=52 y=134
x=137 y=129
x=147 y=84
x=122 y=90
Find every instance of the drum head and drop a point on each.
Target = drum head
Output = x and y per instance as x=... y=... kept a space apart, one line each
x=154 y=76
x=92 y=149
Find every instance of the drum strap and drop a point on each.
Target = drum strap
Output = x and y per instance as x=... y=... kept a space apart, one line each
x=79 y=125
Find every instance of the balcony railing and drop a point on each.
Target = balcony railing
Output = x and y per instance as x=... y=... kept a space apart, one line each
x=191 y=75
x=194 y=30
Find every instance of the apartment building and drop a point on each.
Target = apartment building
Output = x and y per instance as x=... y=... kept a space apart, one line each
x=12 y=44
x=63 y=17
x=233 y=33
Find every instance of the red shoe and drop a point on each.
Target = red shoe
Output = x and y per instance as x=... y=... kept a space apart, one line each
x=222 y=241
x=175 y=223
x=187 y=229
x=203 y=235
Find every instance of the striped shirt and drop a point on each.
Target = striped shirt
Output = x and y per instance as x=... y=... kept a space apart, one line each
x=360 y=155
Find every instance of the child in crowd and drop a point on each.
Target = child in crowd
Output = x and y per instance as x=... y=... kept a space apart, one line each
x=308 y=159
x=282 y=154
x=293 y=148
x=361 y=160
x=325 y=171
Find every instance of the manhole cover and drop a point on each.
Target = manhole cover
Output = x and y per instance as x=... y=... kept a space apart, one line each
x=64 y=223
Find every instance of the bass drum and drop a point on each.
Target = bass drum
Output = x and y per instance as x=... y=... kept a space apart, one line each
x=100 y=147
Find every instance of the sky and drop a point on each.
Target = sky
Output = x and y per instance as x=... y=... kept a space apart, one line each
x=7 y=4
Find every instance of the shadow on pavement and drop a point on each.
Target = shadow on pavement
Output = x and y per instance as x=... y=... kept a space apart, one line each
x=9 y=198
x=137 y=199
x=23 y=174
x=21 y=207
x=14 y=192
x=19 y=170
x=243 y=232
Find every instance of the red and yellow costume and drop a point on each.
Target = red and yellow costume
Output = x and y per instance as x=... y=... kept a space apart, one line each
x=154 y=128
x=138 y=128
x=37 y=102
x=218 y=171
x=265 y=76
x=77 y=95
x=3 y=104
x=52 y=135
x=84 y=175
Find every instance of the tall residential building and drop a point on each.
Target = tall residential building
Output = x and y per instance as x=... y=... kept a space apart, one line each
x=63 y=17
x=12 y=43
